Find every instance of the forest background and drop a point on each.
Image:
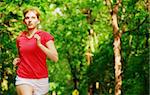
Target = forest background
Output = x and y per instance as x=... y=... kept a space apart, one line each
x=84 y=37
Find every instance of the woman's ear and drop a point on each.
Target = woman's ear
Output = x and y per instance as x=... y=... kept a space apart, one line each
x=38 y=22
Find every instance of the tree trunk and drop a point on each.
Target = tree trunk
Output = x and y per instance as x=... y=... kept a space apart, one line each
x=90 y=90
x=89 y=56
x=117 y=48
x=118 y=65
x=87 y=12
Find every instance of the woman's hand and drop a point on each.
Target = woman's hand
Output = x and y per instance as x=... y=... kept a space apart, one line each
x=16 y=61
x=38 y=39
x=49 y=49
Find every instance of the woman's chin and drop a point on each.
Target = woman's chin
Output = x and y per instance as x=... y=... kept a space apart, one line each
x=31 y=28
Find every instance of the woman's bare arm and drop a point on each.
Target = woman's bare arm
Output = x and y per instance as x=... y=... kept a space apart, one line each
x=50 y=50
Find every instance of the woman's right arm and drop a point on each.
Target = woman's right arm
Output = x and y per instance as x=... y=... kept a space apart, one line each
x=16 y=61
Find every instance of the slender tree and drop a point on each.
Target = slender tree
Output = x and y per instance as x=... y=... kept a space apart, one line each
x=117 y=48
x=87 y=12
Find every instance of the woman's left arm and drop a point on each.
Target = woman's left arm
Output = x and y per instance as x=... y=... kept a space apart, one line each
x=50 y=50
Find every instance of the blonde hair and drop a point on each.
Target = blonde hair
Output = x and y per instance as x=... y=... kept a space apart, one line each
x=35 y=10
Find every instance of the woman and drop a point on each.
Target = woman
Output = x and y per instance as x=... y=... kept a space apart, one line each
x=33 y=47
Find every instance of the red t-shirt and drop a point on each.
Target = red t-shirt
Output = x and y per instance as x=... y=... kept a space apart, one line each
x=33 y=59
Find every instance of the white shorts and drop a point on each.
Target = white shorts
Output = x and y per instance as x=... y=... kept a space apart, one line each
x=40 y=86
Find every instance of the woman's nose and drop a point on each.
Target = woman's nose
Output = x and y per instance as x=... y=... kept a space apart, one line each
x=30 y=19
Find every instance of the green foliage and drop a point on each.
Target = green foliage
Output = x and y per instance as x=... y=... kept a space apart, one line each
x=67 y=21
x=101 y=70
x=137 y=79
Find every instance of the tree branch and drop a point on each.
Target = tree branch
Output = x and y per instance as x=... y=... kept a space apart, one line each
x=139 y=24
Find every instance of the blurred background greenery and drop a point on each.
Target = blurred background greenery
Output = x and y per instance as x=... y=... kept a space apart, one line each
x=86 y=59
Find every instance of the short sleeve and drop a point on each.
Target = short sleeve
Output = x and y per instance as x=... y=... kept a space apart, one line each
x=17 y=45
x=17 y=42
x=47 y=36
x=18 y=38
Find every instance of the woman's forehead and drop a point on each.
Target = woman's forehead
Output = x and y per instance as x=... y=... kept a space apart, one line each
x=30 y=13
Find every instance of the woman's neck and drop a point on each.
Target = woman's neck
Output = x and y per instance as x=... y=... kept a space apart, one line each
x=31 y=32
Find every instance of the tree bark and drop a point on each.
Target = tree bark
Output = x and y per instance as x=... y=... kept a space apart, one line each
x=117 y=49
x=90 y=90
x=88 y=14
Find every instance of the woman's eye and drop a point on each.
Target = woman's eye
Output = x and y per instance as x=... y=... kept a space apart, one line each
x=33 y=17
x=26 y=17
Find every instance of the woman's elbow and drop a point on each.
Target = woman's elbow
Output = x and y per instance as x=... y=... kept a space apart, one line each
x=56 y=59
x=53 y=57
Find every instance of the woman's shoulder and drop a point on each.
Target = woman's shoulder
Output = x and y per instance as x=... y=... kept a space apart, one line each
x=42 y=32
x=22 y=33
x=45 y=35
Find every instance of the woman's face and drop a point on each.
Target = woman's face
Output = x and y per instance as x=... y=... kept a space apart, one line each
x=31 y=20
